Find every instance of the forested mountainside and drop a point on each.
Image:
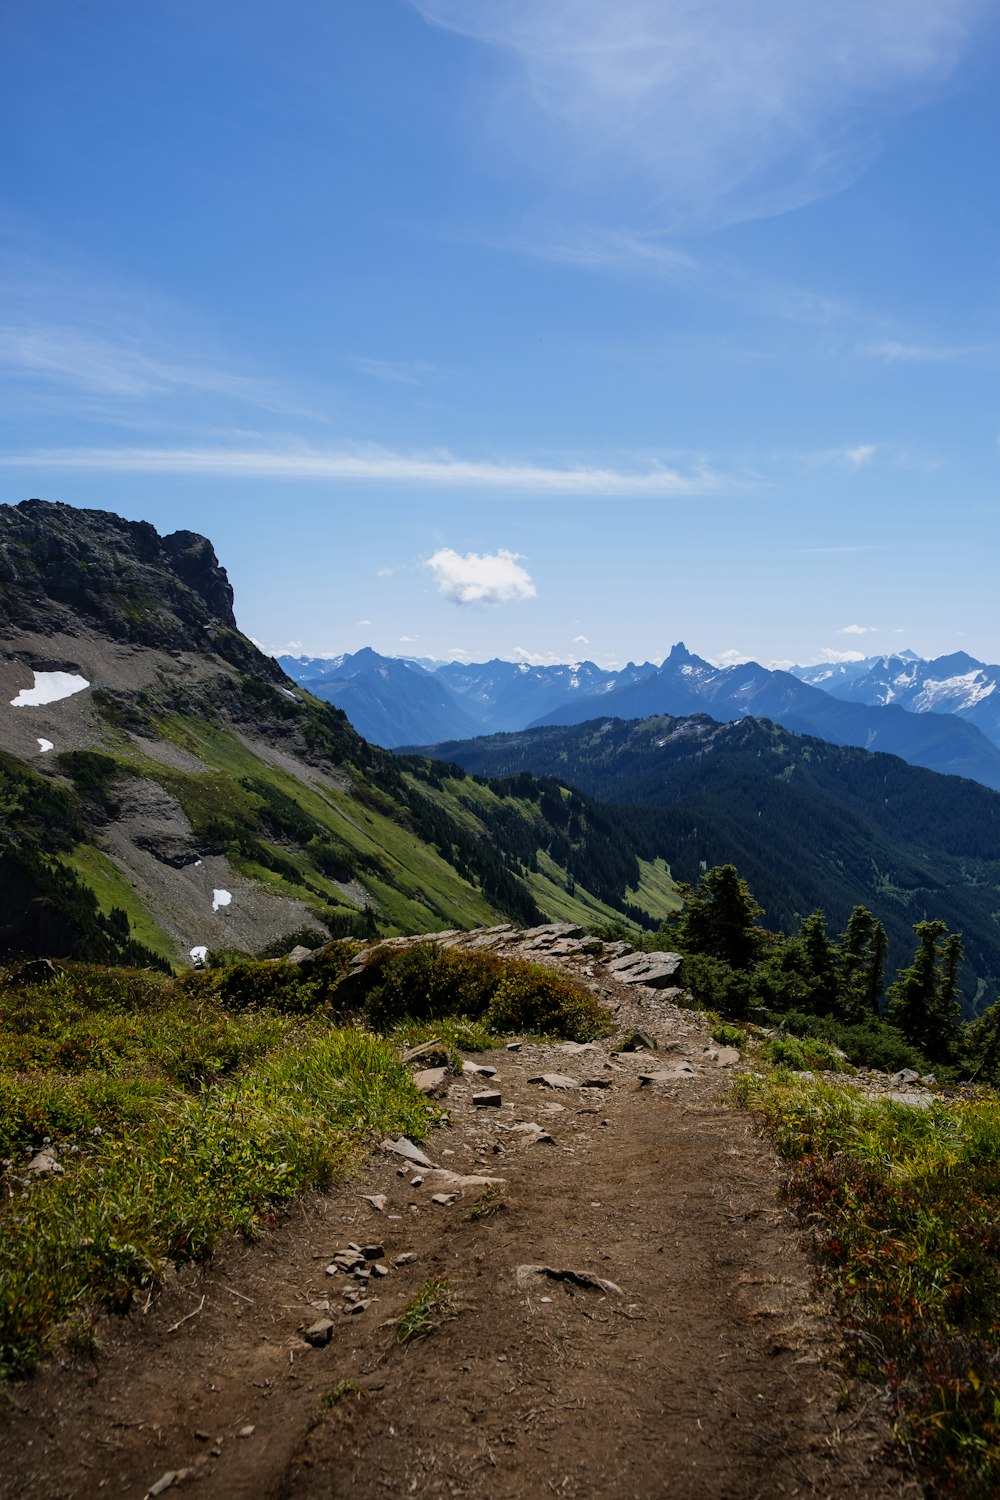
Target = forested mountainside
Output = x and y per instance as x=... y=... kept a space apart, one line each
x=809 y=824
x=166 y=789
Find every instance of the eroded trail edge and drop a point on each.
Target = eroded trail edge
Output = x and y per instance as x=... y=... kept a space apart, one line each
x=703 y=1366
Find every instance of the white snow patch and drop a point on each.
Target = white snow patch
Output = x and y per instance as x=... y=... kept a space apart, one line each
x=199 y=954
x=963 y=691
x=289 y=694
x=49 y=688
x=220 y=899
x=44 y=745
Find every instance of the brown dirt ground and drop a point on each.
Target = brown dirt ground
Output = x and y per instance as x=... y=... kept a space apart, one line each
x=714 y=1374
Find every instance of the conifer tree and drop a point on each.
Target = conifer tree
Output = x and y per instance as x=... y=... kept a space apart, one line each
x=923 y=1000
x=719 y=918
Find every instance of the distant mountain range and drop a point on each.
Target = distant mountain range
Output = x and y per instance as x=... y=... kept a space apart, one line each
x=941 y=715
x=955 y=684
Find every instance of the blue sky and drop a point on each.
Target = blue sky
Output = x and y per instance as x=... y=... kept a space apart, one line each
x=540 y=327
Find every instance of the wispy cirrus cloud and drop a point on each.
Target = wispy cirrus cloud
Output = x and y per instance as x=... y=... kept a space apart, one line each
x=893 y=352
x=396 y=371
x=363 y=463
x=696 y=113
x=481 y=577
x=129 y=367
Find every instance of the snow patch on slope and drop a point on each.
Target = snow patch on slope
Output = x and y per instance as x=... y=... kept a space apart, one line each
x=49 y=687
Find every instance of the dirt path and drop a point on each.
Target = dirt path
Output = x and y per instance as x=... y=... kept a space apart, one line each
x=704 y=1377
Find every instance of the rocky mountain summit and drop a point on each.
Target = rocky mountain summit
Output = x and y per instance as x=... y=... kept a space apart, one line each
x=67 y=571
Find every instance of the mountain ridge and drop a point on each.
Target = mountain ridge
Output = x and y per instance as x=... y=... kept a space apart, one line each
x=185 y=795
x=396 y=702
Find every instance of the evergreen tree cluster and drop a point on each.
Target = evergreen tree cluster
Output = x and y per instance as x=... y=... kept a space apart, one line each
x=739 y=968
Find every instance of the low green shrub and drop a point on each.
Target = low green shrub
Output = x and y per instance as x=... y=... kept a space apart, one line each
x=808 y=1054
x=292 y=989
x=426 y=982
x=728 y=1036
x=872 y=1043
x=540 y=1001
x=429 y=983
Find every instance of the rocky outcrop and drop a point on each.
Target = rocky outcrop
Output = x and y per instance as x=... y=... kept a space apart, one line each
x=64 y=570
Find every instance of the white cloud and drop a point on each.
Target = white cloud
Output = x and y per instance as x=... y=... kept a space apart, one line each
x=481 y=577
x=702 y=112
x=828 y=654
x=858 y=630
x=730 y=658
x=580 y=640
x=383 y=465
x=532 y=658
x=363 y=622
x=860 y=455
x=408 y=640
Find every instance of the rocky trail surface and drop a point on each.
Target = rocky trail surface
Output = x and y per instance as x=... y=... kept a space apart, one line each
x=628 y=1312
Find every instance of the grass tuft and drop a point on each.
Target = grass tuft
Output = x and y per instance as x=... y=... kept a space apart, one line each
x=428 y=1310
x=492 y=1200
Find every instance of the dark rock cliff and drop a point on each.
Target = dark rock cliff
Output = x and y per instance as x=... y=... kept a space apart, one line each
x=63 y=569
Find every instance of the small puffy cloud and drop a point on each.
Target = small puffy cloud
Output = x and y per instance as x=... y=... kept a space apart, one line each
x=857 y=630
x=385 y=572
x=408 y=640
x=580 y=640
x=481 y=577
x=533 y=658
x=828 y=654
x=731 y=658
x=363 y=622
x=861 y=455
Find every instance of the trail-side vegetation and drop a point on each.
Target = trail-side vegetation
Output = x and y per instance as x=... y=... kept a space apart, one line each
x=903 y=1207
x=144 y=1116
x=902 y=1203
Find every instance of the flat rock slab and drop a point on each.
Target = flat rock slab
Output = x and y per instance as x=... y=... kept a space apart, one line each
x=443 y=1181
x=536 y=1133
x=406 y=1148
x=487 y=1099
x=728 y=1057
x=585 y=1280
x=555 y=1081
x=319 y=1334
x=430 y=1080
x=639 y=1041
x=683 y=1073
